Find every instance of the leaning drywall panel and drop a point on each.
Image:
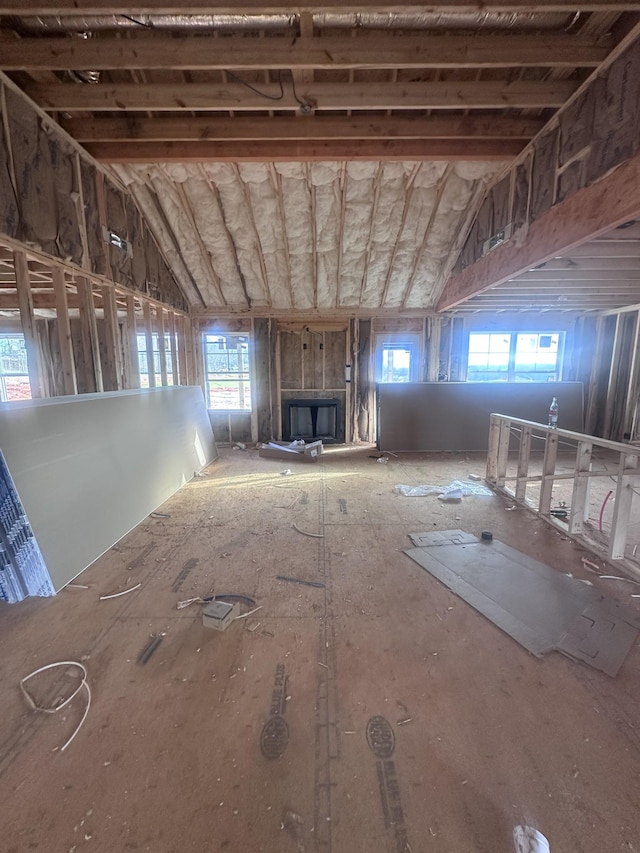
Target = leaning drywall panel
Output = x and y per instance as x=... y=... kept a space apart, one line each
x=89 y=468
x=425 y=416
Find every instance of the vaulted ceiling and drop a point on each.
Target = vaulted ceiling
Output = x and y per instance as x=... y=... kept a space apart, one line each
x=312 y=158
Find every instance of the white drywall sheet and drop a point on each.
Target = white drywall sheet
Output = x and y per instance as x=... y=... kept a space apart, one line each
x=89 y=468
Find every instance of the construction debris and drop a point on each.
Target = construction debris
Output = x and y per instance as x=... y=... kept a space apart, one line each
x=150 y=648
x=299 y=580
x=118 y=594
x=63 y=704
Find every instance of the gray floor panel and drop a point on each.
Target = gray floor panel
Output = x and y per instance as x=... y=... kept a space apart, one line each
x=541 y=608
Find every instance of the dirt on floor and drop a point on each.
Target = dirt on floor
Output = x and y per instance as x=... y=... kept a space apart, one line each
x=374 y=712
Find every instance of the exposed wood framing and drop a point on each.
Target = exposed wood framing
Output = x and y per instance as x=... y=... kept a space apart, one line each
x=133 y=374
x=173 y=347
x=583 y=216
x=627 y=480
x=306 y=150
x=27 y=318
x=69 y=381
x=113 y=360
x=162 y=346
x=194 y=7
x=283 y=128
x=379 y=50
x=209 y=97
x=89 y=334
x=148 y=333
x=70 y=166
x=618 y=343
x=183 y=367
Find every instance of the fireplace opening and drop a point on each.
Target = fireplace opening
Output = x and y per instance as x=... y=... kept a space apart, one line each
x=312 y=420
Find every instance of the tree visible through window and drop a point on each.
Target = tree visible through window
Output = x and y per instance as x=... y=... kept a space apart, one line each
x=515 y=356
x=227 y=378
x=14 y=375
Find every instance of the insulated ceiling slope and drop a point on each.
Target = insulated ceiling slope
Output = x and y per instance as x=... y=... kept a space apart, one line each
x=320 y=236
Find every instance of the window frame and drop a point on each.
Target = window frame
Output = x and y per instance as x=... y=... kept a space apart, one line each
x=141 y=339
x=411 y=341
x=242 y=379
x=511 y=374
x=4 y=398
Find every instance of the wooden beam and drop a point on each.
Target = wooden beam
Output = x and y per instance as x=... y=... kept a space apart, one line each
x=183 y=368
x=148 y=333
x=258 y=7
x=89 y=331
x=233 y=152
x=27 y=318
x=174 y=348
x=162 y=348
x=69 y=380
x=132 y=339
x=576 y=276
x=113 y=360
x=211 y=97
x=220 y=128
x=590 y=211
x=9 y=300
x=367 y=50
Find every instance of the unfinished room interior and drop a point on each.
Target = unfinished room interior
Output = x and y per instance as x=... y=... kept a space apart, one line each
x=320 y=426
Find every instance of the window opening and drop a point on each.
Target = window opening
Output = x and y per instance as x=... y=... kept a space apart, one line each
x=142 y=360
x=14 y=373
x=515 y=356
x=397 y=358
x=227 y=379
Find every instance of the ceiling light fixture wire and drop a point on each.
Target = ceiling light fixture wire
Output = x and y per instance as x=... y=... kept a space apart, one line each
x=257 y=91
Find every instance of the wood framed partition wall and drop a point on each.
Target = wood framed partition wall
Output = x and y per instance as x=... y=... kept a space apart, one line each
x=81 y=331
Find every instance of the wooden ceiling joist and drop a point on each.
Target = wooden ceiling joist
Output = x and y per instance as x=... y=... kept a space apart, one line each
x=248 y=7
x=379 y=50
x=306 y=150
x=211 y=97
x=190 y=129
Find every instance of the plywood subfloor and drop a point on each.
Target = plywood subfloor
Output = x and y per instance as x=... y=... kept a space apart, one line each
x=169 y=759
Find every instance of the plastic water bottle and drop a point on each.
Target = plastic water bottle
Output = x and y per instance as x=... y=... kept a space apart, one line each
x=553 y=414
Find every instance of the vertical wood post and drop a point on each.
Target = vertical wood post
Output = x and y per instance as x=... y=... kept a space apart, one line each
x=27 y=318
x=89 y=331
x=183 y=368
x=580 y=487
x=627 y=481
x=69 y=379
x=162 y=347
x=173 y=347
x=112 y=336
x=132 y=340
x=548 y=470
x=523 y=463
x=148 y=334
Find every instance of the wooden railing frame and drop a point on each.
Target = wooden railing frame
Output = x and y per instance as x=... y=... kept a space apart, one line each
x=627 y=479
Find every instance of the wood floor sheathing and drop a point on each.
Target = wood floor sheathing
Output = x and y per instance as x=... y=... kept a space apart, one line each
x=486 y=737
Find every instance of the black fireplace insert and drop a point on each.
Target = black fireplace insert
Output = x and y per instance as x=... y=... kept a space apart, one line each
x=311 y=420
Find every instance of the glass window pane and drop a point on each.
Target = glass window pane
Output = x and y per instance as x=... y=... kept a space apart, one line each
x=226 y=359
x=14 y=372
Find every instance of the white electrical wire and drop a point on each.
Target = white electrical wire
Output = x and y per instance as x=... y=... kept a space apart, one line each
x=118 y=594
x=55 y=709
